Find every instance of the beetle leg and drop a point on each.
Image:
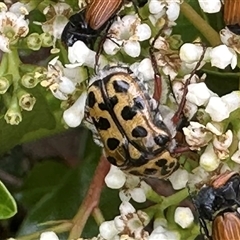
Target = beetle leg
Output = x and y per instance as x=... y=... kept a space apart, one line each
x=178 y=115
x=157 y=77
x=100 y=46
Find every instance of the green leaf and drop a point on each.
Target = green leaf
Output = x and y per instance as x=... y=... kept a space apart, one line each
x=39 y=122
x=59 y=194
x=8 y=207
x=38 y=183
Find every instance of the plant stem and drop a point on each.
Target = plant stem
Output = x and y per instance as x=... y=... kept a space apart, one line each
x=64 y=227
x=98 y=216
x=174 y=199
x=207 y=31
x=91 y=200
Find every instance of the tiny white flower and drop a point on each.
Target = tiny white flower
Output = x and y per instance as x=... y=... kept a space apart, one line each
x=217 y=109
x=209 y=160
x=12 y=27
x=131 y=222
x=212 y=6
x=179 y=179
x=146 y=69
x=173 y=10
x=170 y=9
x=232 y=100
x=225 y=35
x=183 y=217
x=80 y=55
x=20 y=8
x=132 y=48
x=115 y=178
x=191 y=53
x=217 y=59
x=61 y=81
x=230 y=39
x=215 y=128
x=126 y=208
x=222 y=143
x=166 y=58
x=57 y=18
x=108 y=230
x=134 y=189
x=164 y=234
x=197 y=135
x=126 y=33
x=189 y=108
x=198 y=93
x=155 y=7
x=138 y=195
x=73 y=116
x=119 y=223
x=49 y=236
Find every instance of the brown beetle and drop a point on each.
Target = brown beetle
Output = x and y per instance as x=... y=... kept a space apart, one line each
x=232 y=12
x=226 y=225
x=232 y=15
x=88 y=24
x=218 y=203
x=98 y=12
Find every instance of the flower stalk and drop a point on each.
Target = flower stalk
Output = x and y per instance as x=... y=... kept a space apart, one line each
x=207 y=31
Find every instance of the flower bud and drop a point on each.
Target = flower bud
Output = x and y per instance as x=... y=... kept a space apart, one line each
x=13 y=115
x=47 y=39
x=115 y=178
x=212 y=6
x=26 y=100
x=183 y=217
x=4 y=84
x=49 y=236
x=108 y=230
x=29 y=81
x=34 y=41
x=209 y=160
x=74 y=115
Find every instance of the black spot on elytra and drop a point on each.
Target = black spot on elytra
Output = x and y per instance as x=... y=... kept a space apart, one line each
x=91 y=99
x=161 y=140
x=112 y=160
x=102 y=106
x=139 y=132
x=165 y=171
x=128 y=113
x=172 y=164
x=150 y=171
x=112 y=143
x=101 y=124
x=161 y=162
x=120 y=86
x=113 y=101
x=139 y=103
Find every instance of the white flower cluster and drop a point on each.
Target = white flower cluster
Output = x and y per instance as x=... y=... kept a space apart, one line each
x=13 y=25
x=126 y=33
x=130 y=222
x=126 y=36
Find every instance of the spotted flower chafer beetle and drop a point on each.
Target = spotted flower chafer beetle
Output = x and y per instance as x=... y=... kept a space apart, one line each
x=127 y=122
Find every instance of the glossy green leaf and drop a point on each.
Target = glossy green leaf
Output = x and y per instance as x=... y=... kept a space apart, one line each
x=62 y=195
x=8 y=207
x=39 y=122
